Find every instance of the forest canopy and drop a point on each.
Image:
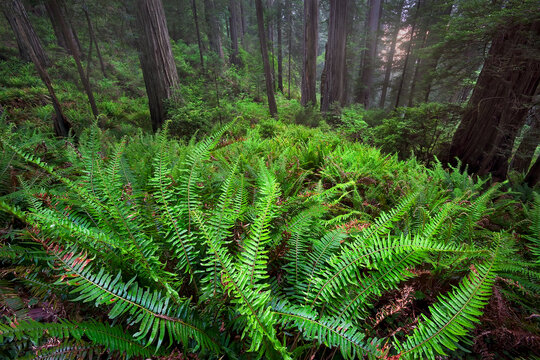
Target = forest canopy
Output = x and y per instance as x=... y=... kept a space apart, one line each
x=278 y=179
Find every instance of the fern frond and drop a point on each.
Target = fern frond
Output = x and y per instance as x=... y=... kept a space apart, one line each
x=352 y=343
x=149 y=309
x=113 y=338
x=453 y=315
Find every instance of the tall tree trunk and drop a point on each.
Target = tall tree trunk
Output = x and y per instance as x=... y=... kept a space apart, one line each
x=157 y=61
x=333 y=81
x=289 y=51
x=68 y=33
x=280 y=46
x=196 y=21
x=56 y=14
x=214 y=31
x=311 y=39
x=407 y=54
x=500 y=100
x=416 y=75
x=267 y=74
x=27 y=40
x=93 y=39
x=21 y=26
x=370 y=54
x=234 y=29
x=390 y=60
x=243 y=23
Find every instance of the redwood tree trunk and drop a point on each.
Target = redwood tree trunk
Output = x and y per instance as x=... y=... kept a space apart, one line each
x=94 y=40
x=333 y=78
x=311 y=38
x=264 y=52
x=234 y=29
x=214 y=31
x=370 y=54
x=27 y=39
x=157 y=61
x=500 y=100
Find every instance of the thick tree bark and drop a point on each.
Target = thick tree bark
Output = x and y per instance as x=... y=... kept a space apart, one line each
x=525 y=152
x=234 y=29
x=27 y=39
x=68 y=33
x=311 y=39
x=500 y=100
x=333 y=81
x=416 y=75
x=370 y=54
x=533 y=177
x=390 y=60
x=214 y=31
x=280 y=46
x=93 y=39
x=267 y=73
x=407 y=55
x=25 y=31
x=157 y=61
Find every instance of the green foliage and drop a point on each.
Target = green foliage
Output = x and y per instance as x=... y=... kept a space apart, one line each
x=287 y=241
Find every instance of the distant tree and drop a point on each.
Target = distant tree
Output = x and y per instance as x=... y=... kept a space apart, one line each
x=74 y=49
x=27 y=39
x=390 y=57
x=93 y=40
x=157 y=61
x=501 y=98
x=213 y=27
x=56 y=12
x=264 y=52
x=280 y=44
x=333 y=76
x=21 y=26
x=235 y=28
x=311 y=39
x=370 y=54
x=196 y=22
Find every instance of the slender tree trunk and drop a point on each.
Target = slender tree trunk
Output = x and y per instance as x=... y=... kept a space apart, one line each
x=27 y=39
x=390 y=60
x=416 y=76
x=21 y=26
x=234 y=29
x=267 y=74
x=214 y=31
x=196 y=21
x=289 y=51
x=74 y=50
x=311 y=39
x=500 y=100
x=243 y=23
x=280 y=47
x=94 y=40
x=370 y=54
x=56 y=15
x=333 y=81
x=157 y=61
x=407 y=54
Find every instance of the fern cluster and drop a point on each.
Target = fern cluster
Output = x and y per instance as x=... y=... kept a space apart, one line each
x=211 y=248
